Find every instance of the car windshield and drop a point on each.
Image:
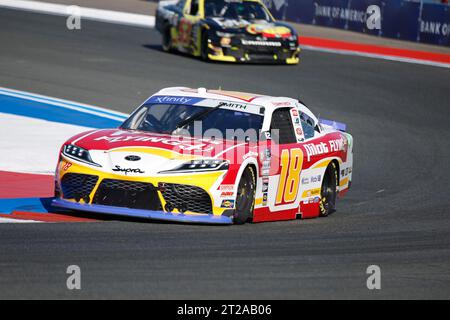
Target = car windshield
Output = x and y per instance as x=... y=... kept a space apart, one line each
x=248 y=10
x=220 y=123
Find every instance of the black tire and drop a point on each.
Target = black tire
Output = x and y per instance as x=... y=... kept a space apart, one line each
x=245 y=200
x=328 y=191
x=204 y=46
x=166 y=39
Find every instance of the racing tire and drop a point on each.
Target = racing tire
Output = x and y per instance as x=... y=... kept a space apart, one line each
x=245 y=199
x=166 y=39
x=328 y=192
x=204 y=47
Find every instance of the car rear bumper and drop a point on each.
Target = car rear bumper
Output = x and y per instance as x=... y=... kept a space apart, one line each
x=139 y=213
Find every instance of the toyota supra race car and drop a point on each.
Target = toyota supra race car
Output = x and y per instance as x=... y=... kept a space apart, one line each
x=209 y=156
x=226 y=30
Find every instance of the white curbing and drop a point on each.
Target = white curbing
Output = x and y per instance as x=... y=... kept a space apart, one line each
x=139 y=20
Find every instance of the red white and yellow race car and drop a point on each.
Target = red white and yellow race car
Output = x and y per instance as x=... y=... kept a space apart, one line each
x=209 y=156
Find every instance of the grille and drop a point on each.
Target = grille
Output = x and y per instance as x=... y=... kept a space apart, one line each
x=193 y=199
x=128 y=194
x=75 y=185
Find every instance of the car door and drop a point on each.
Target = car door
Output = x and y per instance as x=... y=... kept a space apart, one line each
x=187 y=29
x=286 y=131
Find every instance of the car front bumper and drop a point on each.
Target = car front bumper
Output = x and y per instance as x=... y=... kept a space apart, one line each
x=247 y=55
x=139 y=213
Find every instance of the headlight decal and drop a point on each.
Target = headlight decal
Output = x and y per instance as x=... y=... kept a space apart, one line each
x=79 y=154
x=200 y=166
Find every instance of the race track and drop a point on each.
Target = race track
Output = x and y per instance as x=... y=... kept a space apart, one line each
x=396 y=215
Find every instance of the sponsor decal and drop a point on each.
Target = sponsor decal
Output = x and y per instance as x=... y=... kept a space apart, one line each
x=227 y=190
x=132 y=158
x=266 y=164
x=294 y=112
x=281 y=104
x=265 y=187
x=265 y=172
x=305 y=180
x=228 y=204
x=227 y=194
x=315 y=149
x=299 y=131
x=265 y=197
x=127 y=170
x=226 y=187
x=316 y=178
x=233 y=105
x=174 y=100
x=66 y=166
x=316 y=199
x=186 y=146
x=260 y=43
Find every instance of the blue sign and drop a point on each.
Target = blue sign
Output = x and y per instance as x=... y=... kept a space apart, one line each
x=399 y=19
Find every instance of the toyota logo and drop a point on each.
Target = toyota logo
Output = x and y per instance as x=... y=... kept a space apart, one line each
x=132 y=158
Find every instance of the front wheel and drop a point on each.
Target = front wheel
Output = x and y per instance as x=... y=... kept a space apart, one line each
x=166 y=39
x=328 y=191
x=245 y=200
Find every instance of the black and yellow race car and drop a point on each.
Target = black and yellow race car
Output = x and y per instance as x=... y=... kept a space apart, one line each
x=226 y=30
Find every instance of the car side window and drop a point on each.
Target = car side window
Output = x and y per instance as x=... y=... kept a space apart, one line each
x=281 y=121
x=181 y=4
x=193 y=10
x=307 y=126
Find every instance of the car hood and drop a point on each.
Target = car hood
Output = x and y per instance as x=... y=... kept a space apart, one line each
x=258 y=28
x=113 y=149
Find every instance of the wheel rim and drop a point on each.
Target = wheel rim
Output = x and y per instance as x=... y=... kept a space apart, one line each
x=244 y=196
x=327 y=194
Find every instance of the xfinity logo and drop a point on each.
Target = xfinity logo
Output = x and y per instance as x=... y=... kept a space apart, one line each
x=176 y=100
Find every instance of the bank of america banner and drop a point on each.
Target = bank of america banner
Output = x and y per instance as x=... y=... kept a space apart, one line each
x=399 y=19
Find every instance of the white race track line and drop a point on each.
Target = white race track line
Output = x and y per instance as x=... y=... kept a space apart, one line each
x=141 y=20
x=8 y=220
x=133 y=19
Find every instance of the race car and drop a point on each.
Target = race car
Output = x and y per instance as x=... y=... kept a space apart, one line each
x=226 y=30
x=209 y=156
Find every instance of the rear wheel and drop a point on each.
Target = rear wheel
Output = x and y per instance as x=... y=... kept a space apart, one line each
x=204 y=46
x=167 y=39
x=328 y=191
x=245 y=200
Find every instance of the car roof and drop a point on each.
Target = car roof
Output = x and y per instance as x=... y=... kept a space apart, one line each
x=270 y=103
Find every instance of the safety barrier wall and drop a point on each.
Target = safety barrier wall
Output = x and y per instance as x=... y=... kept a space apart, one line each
x=399 y=19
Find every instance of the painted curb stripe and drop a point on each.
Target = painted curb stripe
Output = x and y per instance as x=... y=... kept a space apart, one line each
x=23 y=216
x=374 y=51
x=50 y=111
x=63 y=103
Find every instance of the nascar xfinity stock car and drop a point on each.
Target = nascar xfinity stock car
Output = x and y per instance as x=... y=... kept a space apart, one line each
x=209 y=156
x=226 y=30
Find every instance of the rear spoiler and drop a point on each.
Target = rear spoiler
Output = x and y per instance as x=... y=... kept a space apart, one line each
x=334 y=124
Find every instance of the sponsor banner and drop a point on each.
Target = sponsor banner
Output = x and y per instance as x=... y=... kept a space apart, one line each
x=435 y=24
x=399 y=19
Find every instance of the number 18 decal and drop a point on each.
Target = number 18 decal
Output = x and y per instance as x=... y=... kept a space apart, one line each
x=291 y=165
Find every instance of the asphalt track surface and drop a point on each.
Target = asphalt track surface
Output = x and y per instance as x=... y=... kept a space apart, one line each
x=396 y=215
